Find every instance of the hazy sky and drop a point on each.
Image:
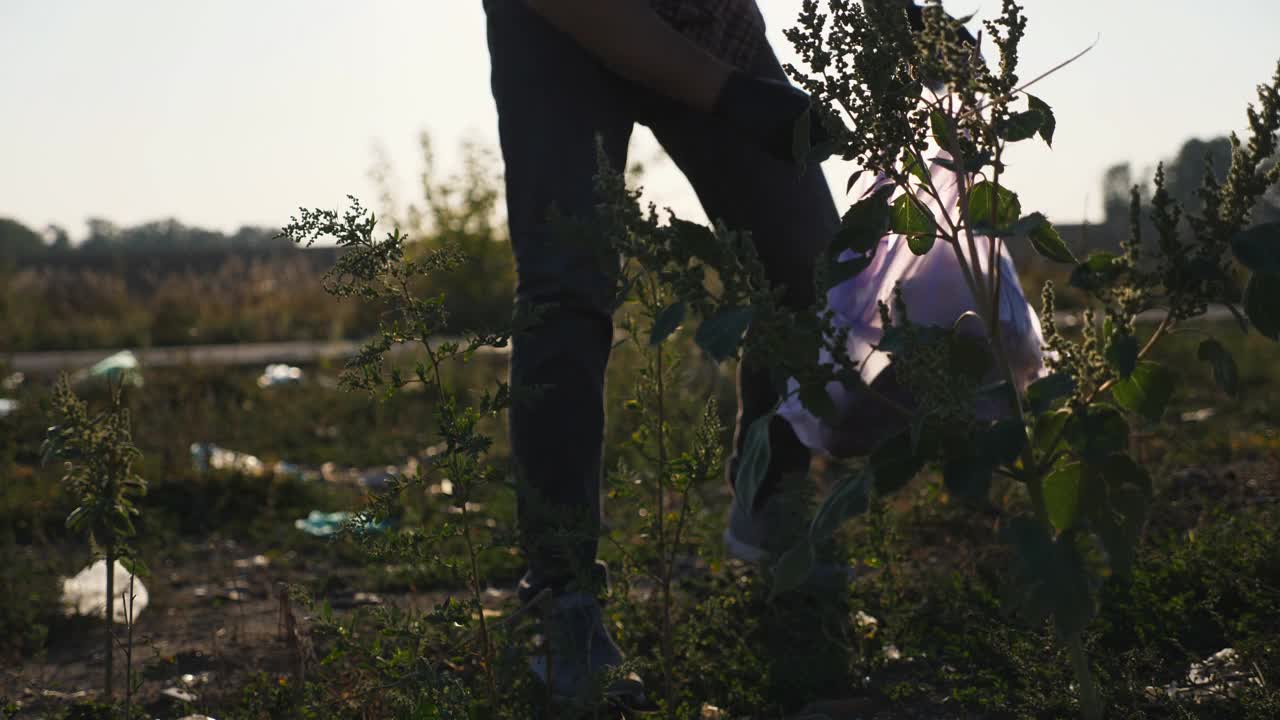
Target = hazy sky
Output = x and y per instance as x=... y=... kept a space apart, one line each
x=238 y=111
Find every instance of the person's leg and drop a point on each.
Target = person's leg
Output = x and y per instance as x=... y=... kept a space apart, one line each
x=554 y=102
x=791 y=217
x=556 y=108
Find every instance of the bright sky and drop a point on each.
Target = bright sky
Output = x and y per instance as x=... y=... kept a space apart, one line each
x=238 y=111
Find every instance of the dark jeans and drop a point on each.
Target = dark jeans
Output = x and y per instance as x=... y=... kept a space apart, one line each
x=554 y=101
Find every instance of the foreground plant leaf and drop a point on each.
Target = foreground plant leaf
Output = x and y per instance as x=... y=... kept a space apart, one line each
x=1262 y=304
x=1225 y=373
x=792 y=569
x=1258 y=248
x=754 y=462
x=992 y=206
x=1145 y=392
x=667 y=322
x=720 y=334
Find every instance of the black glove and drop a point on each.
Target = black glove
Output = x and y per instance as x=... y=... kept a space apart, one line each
x=773 y=114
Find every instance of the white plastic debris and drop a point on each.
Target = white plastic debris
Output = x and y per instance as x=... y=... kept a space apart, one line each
x=207 y=456
x=86 y=593
x=257 y=561
x=1218 y=675
x=1195 y=416
x=866 y=623
x=122 y=367
x=7 y=406
x=182 y=696
x=279 y=374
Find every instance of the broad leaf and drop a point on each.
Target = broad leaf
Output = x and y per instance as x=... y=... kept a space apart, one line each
x=667 y=322
x=1225 y=372
x=1049 y=243
x=1044 y=394
x=1052 y=578
x=908 y=218
x=1099 y=270
x=865 y=222
x=993 y=206
x=1048 y=432
x=720 y=335
x=753 y=463
x=1050 y=123
x=693 y=235
x=1122 y=353
x=920 y=244
x=894 y=464
x=1023 y=126
x=1097 y=433
x=792 y=569
x=1262 y=304
x=1062 y=494
x=853 y=180
x=1118 y=507
x=1145 y=392
x=940 y=127
x=914 y=168
x=839 y=270
x=848 y=499
x=1002 y=443
x=1258 y=248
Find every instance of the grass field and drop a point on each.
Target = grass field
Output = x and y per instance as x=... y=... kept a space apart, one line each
x=921 y=634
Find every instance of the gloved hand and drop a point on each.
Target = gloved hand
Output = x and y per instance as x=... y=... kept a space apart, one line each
x=774 y=115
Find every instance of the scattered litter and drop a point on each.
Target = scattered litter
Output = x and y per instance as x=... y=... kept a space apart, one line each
x=193 y=680
x=12 y=382
x=207 y=456
x=1195 y=416
x=59 y=695
x=378 y=479
x=891 y=653
x=230 y=592
x=257 y=561
x=348 y=600
x=183 y=696
x=711 y=712
x=1217 y=676
x=279 y=374
x=322 y=524
x=86 y=593
x=284 y=469
x=7 y=406
x=122 y=367
x=866 y=623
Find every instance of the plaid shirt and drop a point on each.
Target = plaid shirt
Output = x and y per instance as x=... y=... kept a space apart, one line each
x=732 y=30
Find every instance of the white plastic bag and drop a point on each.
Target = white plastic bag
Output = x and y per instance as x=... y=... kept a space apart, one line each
x=86 y=593
x=935 y=293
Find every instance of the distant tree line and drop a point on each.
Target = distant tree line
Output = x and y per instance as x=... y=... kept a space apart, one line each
x=18 y=242
x=1184 y=174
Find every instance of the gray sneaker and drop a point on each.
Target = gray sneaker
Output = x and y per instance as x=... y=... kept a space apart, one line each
x=761 y=536
x=578 y=654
